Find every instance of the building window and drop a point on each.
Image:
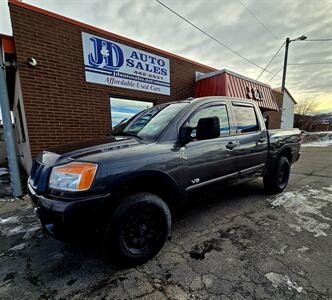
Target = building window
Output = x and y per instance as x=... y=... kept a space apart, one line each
x=246 y=120
x=124 y=109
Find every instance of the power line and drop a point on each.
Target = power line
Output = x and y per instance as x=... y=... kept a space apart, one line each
x=318 y=40
x=314 y=63
x=259 y=21
x=275 y=75
x=273 y=57
x=298 y=64
x=211 y=37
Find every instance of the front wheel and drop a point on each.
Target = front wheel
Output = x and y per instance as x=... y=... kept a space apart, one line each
x=277 y=180
x=138 y=228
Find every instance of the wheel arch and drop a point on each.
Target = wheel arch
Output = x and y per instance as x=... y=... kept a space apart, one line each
x=286 y=152
x=152 y=181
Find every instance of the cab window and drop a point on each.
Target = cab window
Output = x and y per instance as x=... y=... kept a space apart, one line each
x=246 y=120
x=219 y=111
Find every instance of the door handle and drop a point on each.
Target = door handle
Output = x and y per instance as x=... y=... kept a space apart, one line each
x=231 y=145
x=261 y=139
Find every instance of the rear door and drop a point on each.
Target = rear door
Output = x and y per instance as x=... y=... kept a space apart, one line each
x=251 y=137
x=208 y=161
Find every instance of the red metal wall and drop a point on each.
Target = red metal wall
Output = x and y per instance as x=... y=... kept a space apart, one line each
x=227 y=84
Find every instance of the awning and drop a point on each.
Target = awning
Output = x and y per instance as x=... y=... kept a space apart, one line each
x=227 y=83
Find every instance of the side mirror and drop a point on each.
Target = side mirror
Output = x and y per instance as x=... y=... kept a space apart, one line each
x=185 y=135
x=208 y=128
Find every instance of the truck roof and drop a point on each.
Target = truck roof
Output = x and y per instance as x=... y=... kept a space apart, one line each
x=223 y=98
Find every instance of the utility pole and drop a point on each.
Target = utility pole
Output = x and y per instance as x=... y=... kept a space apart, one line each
x=288 y=41
x=285 y=66
x=8 y=133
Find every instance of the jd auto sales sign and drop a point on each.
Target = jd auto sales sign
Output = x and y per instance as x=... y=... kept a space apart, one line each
x=110 y=63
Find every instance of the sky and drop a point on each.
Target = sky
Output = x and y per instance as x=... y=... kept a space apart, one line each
x=255 y=32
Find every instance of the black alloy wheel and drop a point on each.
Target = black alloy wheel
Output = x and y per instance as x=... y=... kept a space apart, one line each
x=277 y=179
x=283 y=175
x=138 y=228
x=143 y=231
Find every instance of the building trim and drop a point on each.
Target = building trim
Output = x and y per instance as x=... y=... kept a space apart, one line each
x=201 y=76
x=7 y=43
x=105 y=32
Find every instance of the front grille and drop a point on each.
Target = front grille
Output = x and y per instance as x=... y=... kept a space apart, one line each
x=39 y=176
x=36 y=170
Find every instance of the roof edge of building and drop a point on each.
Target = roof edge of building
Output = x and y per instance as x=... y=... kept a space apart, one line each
x=102 y=31
x=278 y=90
x=202 y=76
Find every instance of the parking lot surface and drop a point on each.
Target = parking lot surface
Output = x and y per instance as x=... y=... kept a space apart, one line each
x=238 y=243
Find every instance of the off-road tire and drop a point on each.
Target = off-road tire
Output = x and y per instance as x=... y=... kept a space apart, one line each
x=138 y=228
x=277 y=179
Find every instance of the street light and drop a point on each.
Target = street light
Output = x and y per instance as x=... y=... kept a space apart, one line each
x=288 y=41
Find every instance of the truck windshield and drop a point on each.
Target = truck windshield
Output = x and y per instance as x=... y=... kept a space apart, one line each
x=150 y=123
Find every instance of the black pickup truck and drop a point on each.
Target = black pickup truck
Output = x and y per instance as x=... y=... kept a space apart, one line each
x=126 y=184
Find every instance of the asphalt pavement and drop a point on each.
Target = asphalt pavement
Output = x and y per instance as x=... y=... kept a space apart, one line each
x=238 y=243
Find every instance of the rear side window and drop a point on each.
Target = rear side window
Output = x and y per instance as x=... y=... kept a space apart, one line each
x=219 y=111
x=246 y=120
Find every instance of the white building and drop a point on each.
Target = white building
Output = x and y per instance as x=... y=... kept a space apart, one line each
x=287 y=109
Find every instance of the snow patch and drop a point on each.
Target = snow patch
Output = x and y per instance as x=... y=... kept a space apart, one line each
x=31 y=232
x=7 y=199
x=323 y=143
x=281 y=251
x=283 y=280
x=3 y=171
x=317 y=139
x=303 y=249
x=18 y=247
x=329 y=188
x=13 y=231
x=317 y=133
x=10 y=220
x=306 y=205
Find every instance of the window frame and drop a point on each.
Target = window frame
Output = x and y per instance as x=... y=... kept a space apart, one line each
x=207 y=105
x=236 y=103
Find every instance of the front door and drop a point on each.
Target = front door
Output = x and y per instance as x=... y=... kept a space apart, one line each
x=209 y=161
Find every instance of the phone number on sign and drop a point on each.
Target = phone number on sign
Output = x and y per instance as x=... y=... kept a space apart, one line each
x=154 y=76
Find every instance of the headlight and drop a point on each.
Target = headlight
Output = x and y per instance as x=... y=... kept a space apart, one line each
x=73 y=176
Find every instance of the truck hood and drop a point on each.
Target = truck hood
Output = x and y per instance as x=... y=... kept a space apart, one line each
x=67 y=152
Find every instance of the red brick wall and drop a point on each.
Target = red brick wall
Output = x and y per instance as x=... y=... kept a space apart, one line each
x=60 y=105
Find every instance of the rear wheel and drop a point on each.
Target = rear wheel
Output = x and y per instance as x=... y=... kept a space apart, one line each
x=277 y=180
x=138 y=228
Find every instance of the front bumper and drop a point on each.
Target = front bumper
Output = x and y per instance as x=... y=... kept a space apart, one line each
x=68 y=218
